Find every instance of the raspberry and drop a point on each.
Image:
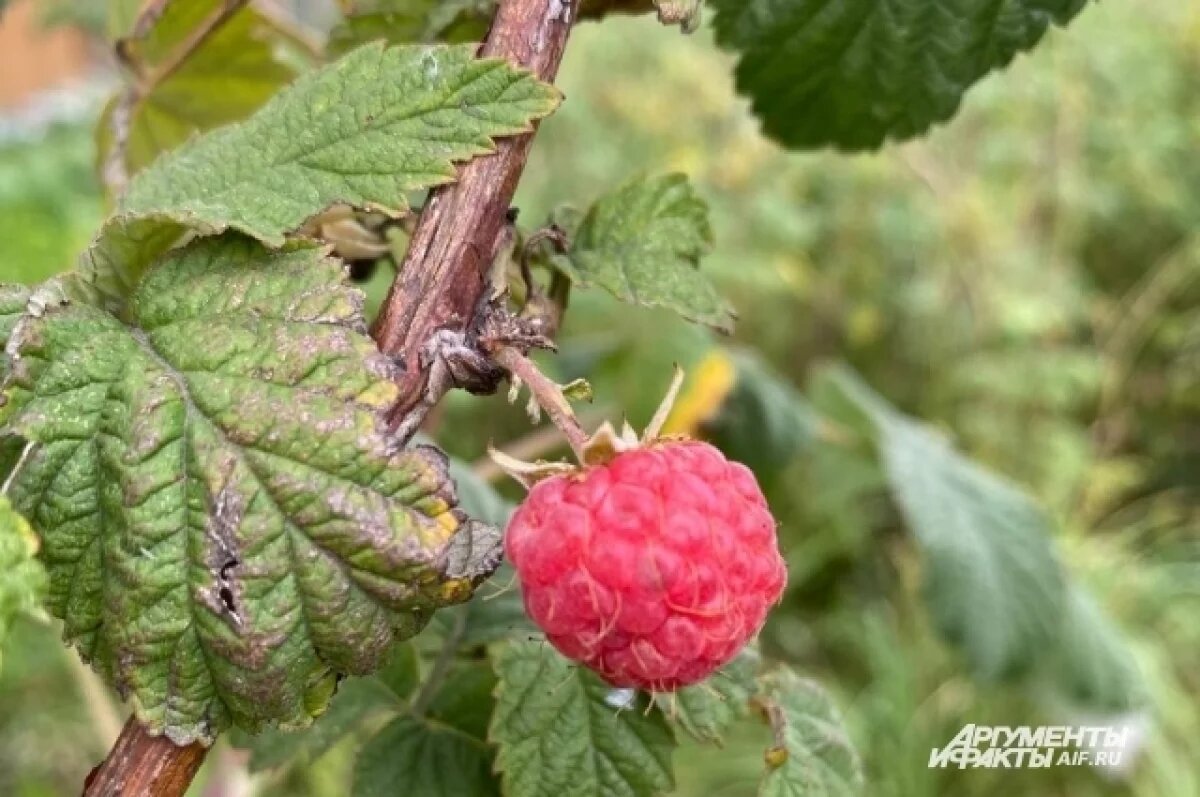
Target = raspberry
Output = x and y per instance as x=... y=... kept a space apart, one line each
x=653 y=569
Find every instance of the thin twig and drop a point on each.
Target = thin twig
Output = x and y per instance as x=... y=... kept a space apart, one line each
x=441 y=665
x=116 y=170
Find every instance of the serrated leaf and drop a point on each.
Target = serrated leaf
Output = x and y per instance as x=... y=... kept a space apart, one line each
x=559 y=735
x=402 y=671
x=414 y=756
x=227 y=522
x=851 y=74
x=407 y=21
x=643 y=243
x=231 y=74
x=707 y=710
x=358 y=700
x=364 y=131
x=993 y=580
x=22 y=578
x=820 y=761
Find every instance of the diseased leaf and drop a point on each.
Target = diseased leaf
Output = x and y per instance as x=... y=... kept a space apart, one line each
x=22 y=577
x=563 y=732
x=818 y=759
x=227 y=522
x=851 y=74
x=364 y=131
x=407 y=21
x=414 y=756
x=643 y=244
x=358 y=701
x=993 y=580
x=707 y=710
x=226 y=78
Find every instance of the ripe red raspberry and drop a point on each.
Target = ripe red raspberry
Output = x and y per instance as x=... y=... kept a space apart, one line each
x=653 y=569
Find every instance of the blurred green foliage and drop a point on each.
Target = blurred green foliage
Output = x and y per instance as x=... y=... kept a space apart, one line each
x=1027 y=278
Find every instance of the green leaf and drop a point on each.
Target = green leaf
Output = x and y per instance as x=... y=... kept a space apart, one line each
x=818 y=758
x=564 y=732
x=993 y=580
x=227 y=521
x=364 y=131
x=851 y=74
x=22 y=578
x=707 y=710
x=358 y=700
x=466 y=699
x=416 y=756
x=231 y=74
x=406 y=21
x=643 y=243
x=1091 y=665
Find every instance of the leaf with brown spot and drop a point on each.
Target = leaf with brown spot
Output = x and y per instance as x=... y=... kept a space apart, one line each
x=227 y=522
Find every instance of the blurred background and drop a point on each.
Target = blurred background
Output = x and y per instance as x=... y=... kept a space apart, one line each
x=1026 y=278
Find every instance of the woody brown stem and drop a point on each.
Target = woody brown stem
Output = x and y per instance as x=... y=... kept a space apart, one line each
x=445 y=272
x=141 y=764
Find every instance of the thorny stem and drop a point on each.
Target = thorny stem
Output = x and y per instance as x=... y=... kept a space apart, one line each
x=116 y=171
x=446 y=270
x=547 y=393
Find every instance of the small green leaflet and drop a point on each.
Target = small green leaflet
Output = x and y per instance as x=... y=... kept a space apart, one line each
x=22 y=578
x=226 y=520
x=818 y=759
x=643 y=243
x=560 y=736
x=854 y=73
x=228 y=77
x=365 y=131
x=707 y=710
x=993 y=580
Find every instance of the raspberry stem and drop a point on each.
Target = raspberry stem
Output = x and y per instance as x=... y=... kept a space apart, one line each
x=547 y=393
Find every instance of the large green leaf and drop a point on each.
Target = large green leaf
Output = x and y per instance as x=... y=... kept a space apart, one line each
x=814 y=757
x=227 y=521
x=993 y=580
x=365 y=131
x=225 y=79
x=1091 y=665
x=561 y=733
x=856 y=72
x=643 y=243
x=22 y=578
x=415 y=756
